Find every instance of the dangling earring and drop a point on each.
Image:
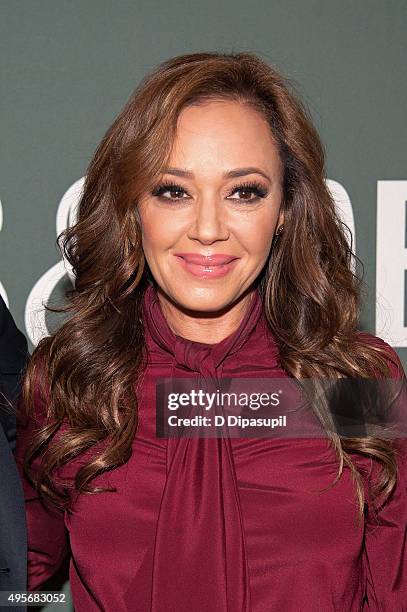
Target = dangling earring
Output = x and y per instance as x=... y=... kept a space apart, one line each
x=279 y=231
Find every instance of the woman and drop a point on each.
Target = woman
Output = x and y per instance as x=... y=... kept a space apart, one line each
x=208 y=245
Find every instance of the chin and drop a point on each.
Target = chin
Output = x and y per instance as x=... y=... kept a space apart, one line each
x=203 y=299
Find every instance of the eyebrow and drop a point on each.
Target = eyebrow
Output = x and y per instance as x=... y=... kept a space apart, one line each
x=230 y=174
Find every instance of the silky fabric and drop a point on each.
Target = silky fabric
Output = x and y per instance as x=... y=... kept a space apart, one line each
x=200 y=534
x=204 y=524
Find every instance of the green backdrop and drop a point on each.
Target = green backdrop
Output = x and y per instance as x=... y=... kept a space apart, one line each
x=68 y=67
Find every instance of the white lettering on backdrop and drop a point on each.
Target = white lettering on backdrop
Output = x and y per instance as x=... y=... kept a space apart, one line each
x=2 y=290
x=391 y=262
x=391 y=291
x=39 y=295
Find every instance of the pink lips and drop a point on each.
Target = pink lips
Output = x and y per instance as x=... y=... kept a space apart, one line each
x=207 y=266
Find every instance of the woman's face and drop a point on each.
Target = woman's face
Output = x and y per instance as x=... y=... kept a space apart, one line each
x=219 y=198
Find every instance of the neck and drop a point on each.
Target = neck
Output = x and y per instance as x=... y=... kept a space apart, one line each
x=204 y=327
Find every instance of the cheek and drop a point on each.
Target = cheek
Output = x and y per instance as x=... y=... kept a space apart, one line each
x=255 y=231
x=158 y=232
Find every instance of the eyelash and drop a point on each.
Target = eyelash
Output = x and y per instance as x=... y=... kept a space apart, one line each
x=256 y=188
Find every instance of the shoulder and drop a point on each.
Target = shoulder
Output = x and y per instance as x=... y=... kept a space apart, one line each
x=391 y=356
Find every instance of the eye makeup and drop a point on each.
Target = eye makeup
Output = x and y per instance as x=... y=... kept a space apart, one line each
x=253 y=188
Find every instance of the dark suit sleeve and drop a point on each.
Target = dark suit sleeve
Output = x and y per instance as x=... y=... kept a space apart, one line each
x=13 y=358
x=47 y=535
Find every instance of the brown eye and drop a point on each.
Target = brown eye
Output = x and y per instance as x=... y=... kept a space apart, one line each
x=176 y=192
x=250 y=192
x=245 y=194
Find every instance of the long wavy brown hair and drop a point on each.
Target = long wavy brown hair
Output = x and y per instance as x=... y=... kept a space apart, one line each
x=86 y=374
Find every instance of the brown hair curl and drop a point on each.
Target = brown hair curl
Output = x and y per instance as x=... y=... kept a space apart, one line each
x=87 y=372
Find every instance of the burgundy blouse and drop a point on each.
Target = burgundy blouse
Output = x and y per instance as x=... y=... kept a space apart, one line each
x=222 y=524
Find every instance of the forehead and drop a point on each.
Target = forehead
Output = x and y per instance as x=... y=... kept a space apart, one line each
x=223 y=134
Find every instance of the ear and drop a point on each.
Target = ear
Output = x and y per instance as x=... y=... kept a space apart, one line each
x=280 y=218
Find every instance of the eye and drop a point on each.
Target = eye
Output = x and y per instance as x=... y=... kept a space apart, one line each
x=249 y=192
x=176 y=192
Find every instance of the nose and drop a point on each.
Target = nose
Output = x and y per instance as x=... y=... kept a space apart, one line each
x=209 y=224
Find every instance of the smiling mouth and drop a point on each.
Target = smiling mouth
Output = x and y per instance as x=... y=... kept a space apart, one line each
x=207 y=266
